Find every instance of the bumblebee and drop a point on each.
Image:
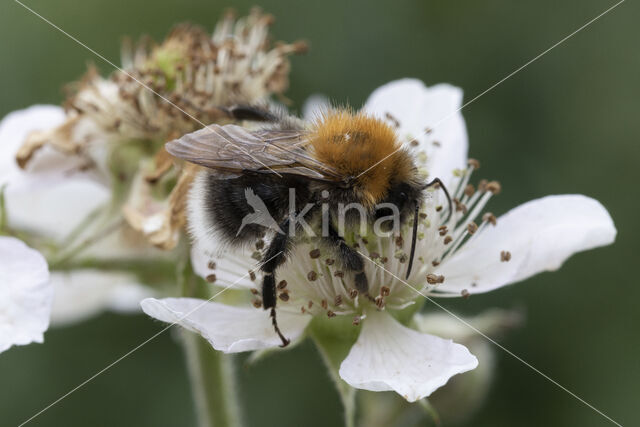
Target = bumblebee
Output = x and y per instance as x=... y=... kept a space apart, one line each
x=299 y=170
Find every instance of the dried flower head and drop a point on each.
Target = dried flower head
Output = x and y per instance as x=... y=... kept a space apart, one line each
x=119 y=124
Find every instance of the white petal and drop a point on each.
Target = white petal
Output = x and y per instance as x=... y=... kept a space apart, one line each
x=25 y=294
x=229 y=266
x=417 y=108
x=389 y=356
x=540 y=235
x=314 y=106
x=48 y=198
x=80 y=294
x=228 y=329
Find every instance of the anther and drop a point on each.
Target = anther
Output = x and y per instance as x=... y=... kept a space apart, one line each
x=443 y=230
x=414 y=143
x=330 y=314
x=472 y=227
x=448 y=240
x=494 y=187
x=310 y=304
x=257 y=303
x=489 y=217
x=428 y=130
x=284 y=296
x=211 y=278
x=260 y=244
x=434 y=279
x=353 y=293
x=482 y=185
x=505 y=256
x=399 y=241
x=211 y=265
x=254 y=291
x=435 y=263
x=356 y=321
x=330 y=261
x=469 y=190
x=337 y=300
x=436 y=143
x=315 y=253
x=379 y=301
x=282 y=284
x=312 y=276
x=465 y=294
x=384 y=259
x=438 y=208
x=392 y=119
x=252 y=275
x=324 y=304
x=338 y=273
x=474 y=163
x=374 y=255
x=384 y=291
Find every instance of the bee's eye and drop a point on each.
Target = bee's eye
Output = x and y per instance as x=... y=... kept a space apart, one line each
x=402 y=196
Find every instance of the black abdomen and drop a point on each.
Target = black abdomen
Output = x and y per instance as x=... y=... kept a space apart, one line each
x=232 y=204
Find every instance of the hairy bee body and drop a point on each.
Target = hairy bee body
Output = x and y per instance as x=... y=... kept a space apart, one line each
x=288 y=170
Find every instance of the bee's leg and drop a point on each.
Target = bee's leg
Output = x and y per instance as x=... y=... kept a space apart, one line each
x=350 y=258
x=275 y=255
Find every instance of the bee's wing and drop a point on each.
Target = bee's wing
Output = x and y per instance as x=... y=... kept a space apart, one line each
x=232 y=150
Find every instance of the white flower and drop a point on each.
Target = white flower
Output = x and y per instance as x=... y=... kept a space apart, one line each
x=454 y=257
x=25 y=294
x=50 y=199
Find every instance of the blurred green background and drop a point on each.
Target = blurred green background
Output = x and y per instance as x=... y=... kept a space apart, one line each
x=568 y=123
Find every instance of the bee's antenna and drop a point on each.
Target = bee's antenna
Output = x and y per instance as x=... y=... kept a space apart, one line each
x=413 y=238
x=285 y=341
x=437 y=181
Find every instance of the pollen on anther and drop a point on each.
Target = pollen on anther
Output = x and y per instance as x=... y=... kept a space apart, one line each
x=257 y=303
x=353 y=293
x=312 y=276
x=211 y=265
x=330 y=261
x=254 y=291
x=448 y=240
x=282 y=284
x=505 y=256
x=443 y=230
x=211 y=278
x=385 y=291
x=435 y=263
x=315 y=253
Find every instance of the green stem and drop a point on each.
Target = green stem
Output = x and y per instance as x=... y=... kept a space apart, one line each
x=211 y=372
x=212 y=382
